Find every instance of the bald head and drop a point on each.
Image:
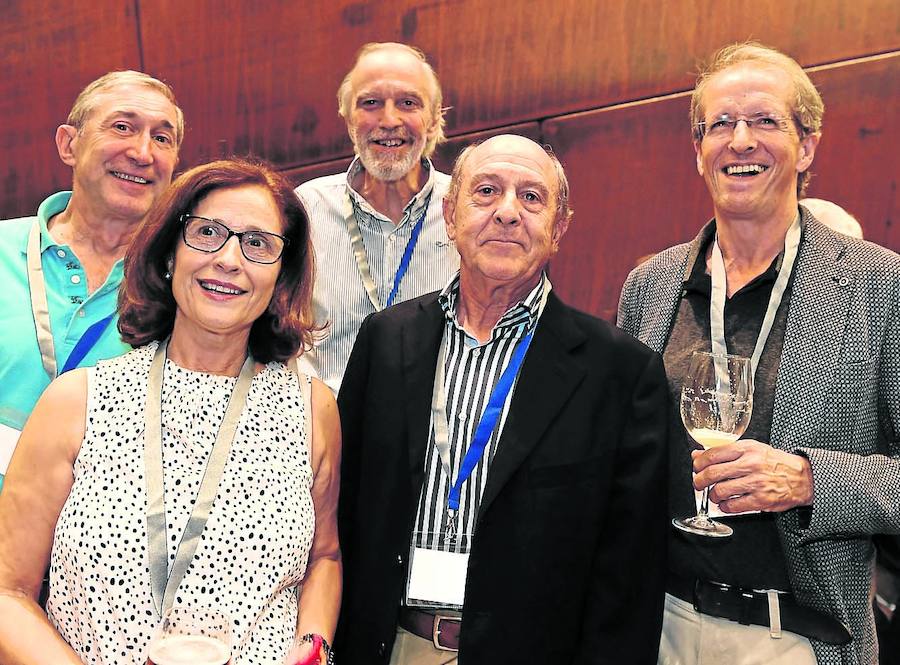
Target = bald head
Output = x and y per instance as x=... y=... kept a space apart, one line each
x=833 y=216
x=518 y=148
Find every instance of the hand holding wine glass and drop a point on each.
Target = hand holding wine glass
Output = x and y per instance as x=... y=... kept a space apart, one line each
x=716 y=405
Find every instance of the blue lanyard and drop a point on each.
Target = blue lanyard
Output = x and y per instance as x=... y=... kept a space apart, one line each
x=407 y=255
x=41 y=312
x=86 y=342
x=488 y=420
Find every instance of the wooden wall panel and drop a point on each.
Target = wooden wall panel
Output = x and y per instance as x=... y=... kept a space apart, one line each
x=49 y=50
x=636 y=190
x=857 y=163
x=262 y=77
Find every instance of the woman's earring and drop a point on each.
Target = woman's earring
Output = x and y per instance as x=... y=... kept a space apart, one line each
x=167 y=276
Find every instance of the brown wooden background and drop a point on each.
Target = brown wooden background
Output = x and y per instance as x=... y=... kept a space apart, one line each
x=603 y=81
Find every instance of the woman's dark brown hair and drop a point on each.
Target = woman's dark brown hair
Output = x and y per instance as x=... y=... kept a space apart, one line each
x=146 y=305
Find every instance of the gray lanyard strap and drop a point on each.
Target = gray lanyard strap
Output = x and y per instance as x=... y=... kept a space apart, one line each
x=717 y=298
x=164 y=585
x=39 y=307
x=359 y=251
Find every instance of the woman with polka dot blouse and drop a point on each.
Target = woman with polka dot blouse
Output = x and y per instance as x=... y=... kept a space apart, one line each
x=191 y=471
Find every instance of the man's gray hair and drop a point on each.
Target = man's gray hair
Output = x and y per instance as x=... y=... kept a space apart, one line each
x=435 y=96
x=564 y=210
x=88 y=98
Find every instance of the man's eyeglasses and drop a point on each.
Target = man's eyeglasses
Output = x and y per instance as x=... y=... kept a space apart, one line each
x=759 y=124
x=210 y=235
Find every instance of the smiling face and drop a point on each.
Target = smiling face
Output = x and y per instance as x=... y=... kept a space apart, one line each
x=752 y=174
x=390 y=118
x=222 y=292
x=123 y=157
x=504 y=220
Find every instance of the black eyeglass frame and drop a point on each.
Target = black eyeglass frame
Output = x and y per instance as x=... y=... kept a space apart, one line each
x=186 y=217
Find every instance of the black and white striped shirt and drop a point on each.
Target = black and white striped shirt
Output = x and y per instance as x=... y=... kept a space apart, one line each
x=340 y=298
x=471 y=372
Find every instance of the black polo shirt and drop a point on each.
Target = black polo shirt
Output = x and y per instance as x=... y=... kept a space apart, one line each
x=752 y=557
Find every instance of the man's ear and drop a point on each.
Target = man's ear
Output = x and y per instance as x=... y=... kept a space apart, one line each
x=66 y=139
x=808 y=145
x=560 y=226
x=699 y=157
x=449 y=221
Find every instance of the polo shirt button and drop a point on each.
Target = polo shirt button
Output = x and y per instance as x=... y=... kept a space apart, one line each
x=76 y=279
x=60 y=253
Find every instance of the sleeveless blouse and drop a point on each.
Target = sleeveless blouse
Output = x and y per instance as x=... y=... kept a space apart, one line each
x=253 y=551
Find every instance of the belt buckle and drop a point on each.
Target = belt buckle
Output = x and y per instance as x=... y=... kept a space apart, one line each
x=436 y=631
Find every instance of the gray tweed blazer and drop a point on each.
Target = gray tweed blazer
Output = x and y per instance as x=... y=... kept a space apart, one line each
x=837 y=401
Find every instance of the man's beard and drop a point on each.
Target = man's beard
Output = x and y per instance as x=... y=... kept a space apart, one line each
x=387 y=168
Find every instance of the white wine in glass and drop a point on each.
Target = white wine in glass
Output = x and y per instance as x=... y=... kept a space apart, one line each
x=716 y=405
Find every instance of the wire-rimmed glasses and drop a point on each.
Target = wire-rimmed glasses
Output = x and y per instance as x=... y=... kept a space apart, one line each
x=760 y=124
x=210 y=235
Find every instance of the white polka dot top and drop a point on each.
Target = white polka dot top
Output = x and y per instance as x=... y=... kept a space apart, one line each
x=253 y=552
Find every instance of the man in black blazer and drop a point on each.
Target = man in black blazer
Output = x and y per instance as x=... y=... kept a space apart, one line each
x=549 y=422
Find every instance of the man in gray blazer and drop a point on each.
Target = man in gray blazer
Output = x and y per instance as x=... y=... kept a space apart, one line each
x=818 y=472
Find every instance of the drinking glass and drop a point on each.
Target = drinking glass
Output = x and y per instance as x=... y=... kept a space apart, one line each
x=716 y=404
x=191 y=635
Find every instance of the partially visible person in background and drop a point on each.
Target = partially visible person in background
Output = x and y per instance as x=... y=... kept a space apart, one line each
x=377 y=229
x=833 y=216
x=61 y=269
x=202 y=413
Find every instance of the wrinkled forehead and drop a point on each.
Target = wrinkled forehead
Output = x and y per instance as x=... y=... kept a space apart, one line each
x=748 y=87
x=515 y=156
x=391 y=69
x=135 y=100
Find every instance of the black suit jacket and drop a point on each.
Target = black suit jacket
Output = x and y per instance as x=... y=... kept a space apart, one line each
x=567 y=562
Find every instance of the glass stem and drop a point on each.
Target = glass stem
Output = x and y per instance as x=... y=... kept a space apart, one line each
x=704 y=506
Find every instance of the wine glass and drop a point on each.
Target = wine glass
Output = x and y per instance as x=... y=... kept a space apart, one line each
x=716 y=404
x=191 y=635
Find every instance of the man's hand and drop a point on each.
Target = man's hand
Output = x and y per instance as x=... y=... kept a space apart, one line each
x=750 y=475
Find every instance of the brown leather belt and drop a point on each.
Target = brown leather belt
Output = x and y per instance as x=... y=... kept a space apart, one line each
x=439 y=629
x=747 y=606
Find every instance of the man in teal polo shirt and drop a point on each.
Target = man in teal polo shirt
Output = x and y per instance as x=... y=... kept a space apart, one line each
x=60 y=270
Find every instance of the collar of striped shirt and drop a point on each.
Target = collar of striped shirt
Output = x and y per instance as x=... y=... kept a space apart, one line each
x=366 y=214
x=523 y=315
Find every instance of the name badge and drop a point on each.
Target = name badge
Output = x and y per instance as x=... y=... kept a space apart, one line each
x=9 y=437
x=436 y=578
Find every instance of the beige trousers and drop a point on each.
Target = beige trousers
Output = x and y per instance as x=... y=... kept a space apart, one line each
x=411 y=649
x=691 y=638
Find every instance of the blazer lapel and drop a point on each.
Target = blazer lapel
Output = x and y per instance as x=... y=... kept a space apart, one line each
x=548 y=377
x=420 y=341
x=820 y=301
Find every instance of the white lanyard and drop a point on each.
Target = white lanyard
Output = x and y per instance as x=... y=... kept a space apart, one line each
x=164 y=585
x=717 y=298
x=39 y=307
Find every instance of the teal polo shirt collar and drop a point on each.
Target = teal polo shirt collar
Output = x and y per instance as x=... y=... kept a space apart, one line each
x=53 y=205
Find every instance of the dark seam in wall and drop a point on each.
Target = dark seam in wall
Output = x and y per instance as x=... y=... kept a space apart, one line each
x=140 y=37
